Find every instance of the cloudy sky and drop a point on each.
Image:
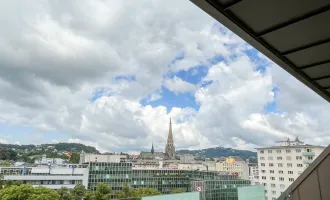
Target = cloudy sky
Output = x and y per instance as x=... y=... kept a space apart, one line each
x=110 y=73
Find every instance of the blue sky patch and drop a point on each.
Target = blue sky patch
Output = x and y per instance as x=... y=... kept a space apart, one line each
x=29 y=135
x=272 y=107
x=170 y=100
x=129 y=78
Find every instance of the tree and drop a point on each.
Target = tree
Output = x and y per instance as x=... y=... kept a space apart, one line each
x=43 y=193
x=103 y=192
x=78 y=192
x=1 y=181
x=178 y=190
x=28 y=192
x=137 y=193
x=5 y=164
x=90 y=195
x=75 y=157
x=65 y=194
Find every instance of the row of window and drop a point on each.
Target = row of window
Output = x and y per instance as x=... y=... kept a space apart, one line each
x=282 y=186
x=286 y=151
x=280 y=158
x=280 y=165
x=279 y=178
x=280 y=171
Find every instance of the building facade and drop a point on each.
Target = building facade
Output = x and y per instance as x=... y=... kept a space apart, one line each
x=53 y=177
x=231 y=165
x=280 y=165
x=90 y=157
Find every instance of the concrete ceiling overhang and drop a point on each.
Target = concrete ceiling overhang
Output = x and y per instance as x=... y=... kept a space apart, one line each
x=295 y=34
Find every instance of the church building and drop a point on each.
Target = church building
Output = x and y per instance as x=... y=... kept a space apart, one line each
x=169 y=149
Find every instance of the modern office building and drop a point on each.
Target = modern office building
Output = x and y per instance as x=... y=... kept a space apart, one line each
x=53 y=177
x=281 y=164
x=214 y=184
x=116 y=175
x=227 y=188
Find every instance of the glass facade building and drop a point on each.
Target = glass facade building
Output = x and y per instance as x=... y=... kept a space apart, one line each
x=219 y=189
x=113 y=174
x=179 y=196
x=211 y=185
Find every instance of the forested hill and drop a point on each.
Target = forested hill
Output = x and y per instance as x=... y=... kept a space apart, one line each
x=58 y=146
x=220 y=152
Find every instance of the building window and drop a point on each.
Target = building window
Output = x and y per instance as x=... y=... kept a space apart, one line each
x=282 y=186
x=273 y=185
x=288 y=151
x=309 y=150
x=265 y=184
x=273 y=192
x=270 y=158
x=272 y=178
x=291 y=179
x=263 y=171
x=262 y=164
x=261 y=151
x=263 y=177
x=269 y=151
x=271 y=165
x=262 y=158
x=279 y=158
x=281 y=178
x=280 y=172
x=298 y=150
x=299 y=165
x=289 y=165
x=278 y=151
x=271 y=171
x=280 y=165
x=298 y=158
x=290 y=172
x=310 y=157
x=288 y=158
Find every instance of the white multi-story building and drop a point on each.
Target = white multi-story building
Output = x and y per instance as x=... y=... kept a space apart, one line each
x=253 y=173
x=90 y=157
x=45 y=161
x=53 y=177
x=281 y=164
x=239 y=167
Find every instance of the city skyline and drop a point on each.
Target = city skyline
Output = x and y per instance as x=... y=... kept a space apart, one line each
x=157 y=60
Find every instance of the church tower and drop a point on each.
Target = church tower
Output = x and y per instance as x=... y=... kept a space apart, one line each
x=169 y=149
x=152 y=148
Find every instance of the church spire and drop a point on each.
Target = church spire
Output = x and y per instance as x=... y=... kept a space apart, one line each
x=169 y=149
x=152 y=148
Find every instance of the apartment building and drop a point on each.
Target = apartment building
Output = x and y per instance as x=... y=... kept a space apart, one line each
x=281 y=164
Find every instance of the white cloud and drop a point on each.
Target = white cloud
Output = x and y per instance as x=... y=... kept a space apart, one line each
x=154 y=97
x=177 y=85
x=3 y=141
x=51 y=66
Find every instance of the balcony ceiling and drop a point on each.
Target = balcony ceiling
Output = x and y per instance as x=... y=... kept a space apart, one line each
x=295 y=34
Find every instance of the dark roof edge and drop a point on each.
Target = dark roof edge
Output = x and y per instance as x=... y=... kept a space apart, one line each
x=241 y=32
x=305 y=174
